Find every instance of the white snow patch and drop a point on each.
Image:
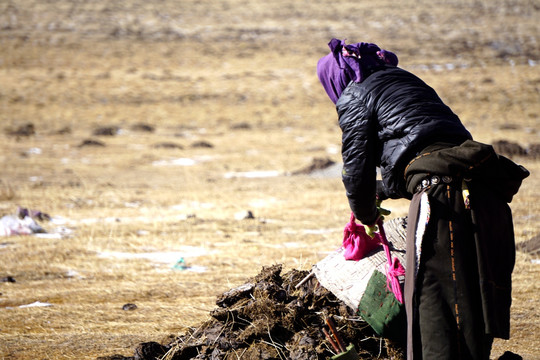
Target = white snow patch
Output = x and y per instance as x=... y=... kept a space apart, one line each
x=36 y=304
x=175 y=162
x=252 y=174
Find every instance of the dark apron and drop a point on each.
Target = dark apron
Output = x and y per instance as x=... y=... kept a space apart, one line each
x=460 y=298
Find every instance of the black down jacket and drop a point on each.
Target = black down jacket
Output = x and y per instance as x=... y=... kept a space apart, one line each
x=386 y=121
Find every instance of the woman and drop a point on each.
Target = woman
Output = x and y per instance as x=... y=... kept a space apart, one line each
x=456 y=299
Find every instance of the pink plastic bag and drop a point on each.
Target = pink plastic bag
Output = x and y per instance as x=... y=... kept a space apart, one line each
x=356 y=242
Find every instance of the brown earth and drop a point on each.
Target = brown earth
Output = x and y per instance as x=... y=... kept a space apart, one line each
x=144 y=128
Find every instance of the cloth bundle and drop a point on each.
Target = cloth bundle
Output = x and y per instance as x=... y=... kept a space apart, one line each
x=358 y=244
x=363 y=274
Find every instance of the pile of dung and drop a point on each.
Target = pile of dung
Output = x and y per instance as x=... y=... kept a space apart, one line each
x=270 y=317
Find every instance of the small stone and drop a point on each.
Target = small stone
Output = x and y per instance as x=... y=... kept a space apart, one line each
x=129 y=307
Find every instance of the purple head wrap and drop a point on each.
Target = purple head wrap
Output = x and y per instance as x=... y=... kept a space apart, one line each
x=346 y=63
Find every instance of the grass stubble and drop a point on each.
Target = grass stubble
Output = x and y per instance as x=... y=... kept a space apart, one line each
x=240 y=78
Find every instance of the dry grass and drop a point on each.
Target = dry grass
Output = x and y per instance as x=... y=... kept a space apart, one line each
x=240 y=76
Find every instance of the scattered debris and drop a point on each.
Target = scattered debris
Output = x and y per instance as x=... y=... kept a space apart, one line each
x=34 y=214
x=23 y=222
x=180 y=264
x=14 y=225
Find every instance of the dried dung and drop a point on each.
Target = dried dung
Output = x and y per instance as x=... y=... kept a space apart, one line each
x=317 y=164
x=23 y=130
x=531 y=246
x=509 y=148
x=269 y=317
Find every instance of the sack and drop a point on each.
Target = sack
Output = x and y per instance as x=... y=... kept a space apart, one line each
x=382 y=311
x=362 y=285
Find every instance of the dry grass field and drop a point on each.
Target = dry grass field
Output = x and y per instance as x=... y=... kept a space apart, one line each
x=145 y=129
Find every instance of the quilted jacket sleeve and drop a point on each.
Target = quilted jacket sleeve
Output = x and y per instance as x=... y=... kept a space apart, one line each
x=359 y=141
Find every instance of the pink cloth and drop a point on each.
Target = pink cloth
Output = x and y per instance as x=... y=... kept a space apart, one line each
x=356 y=242
x=394 y=269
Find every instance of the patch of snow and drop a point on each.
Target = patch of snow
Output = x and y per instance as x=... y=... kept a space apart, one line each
x=35 y=178
x=36 y=304
x=34 y=151
x=252 y=174
x=175 y=162
x=168 y=258
x=193 y=205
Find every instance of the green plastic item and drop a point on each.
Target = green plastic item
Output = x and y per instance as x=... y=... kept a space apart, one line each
x=380 y=309
x=349 y=354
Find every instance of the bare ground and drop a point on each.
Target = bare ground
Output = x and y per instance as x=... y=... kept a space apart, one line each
x=148 y=131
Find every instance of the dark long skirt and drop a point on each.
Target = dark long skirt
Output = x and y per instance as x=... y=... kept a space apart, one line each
x=447 y=316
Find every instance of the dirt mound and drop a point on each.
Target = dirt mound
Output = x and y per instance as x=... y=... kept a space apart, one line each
x=513 y=149
x=270 y=317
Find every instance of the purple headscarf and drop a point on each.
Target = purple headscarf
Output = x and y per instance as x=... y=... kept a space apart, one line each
x=346 y=63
